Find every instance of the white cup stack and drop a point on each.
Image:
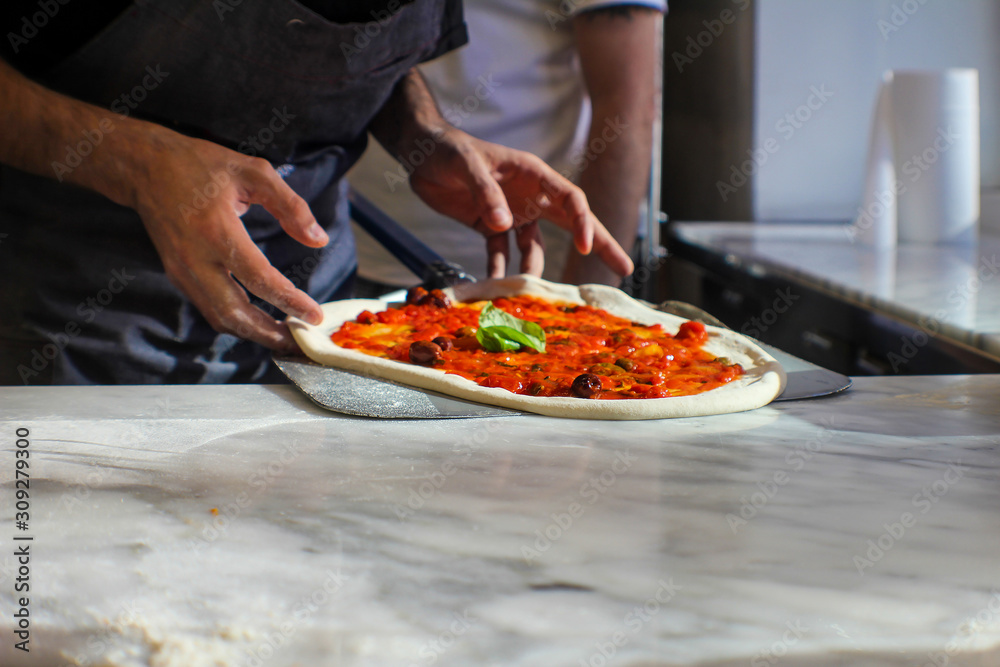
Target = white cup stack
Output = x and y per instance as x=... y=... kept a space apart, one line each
x=922 y=177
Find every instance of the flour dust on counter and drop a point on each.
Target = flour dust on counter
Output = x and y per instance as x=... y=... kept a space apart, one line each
x=521 y=541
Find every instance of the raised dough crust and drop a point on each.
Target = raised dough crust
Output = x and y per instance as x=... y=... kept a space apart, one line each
x=763 y=381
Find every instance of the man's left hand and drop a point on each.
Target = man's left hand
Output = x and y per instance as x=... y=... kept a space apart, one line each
x=498 y=190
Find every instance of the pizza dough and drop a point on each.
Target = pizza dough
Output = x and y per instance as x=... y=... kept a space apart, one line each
x=762 y=381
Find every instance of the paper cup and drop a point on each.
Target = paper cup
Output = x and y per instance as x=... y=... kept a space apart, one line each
x=935 y=134
x=875 y=224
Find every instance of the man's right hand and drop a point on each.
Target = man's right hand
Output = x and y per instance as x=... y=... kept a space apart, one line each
x=157 y=172
x=206 y=249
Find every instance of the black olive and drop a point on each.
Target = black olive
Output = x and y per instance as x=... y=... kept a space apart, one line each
x=424 y=352
x=436 y=298
x=415 y=294
x=586 y=385
x=444 y=343
x=626 y=364
x=440 y=298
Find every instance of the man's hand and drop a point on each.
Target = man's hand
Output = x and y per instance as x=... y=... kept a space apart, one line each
x=156 y=171
x=498 y=190
x=491 y=188
x=206 y=250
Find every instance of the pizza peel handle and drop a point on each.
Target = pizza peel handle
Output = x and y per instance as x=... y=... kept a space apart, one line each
x=433 y=269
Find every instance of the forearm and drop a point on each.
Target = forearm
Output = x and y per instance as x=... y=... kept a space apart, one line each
x=616 y=183
x=52 y=135
x=409 y=116
x=617 y=49
x=616 y=179
x=205 y=250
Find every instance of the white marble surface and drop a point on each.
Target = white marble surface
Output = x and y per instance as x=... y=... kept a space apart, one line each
x=314 y=558
x=947 y=288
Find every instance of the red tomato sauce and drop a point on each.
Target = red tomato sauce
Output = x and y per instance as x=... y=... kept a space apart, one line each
x=631 y=360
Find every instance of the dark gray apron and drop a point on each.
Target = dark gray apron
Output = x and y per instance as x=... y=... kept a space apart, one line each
x=83 y=296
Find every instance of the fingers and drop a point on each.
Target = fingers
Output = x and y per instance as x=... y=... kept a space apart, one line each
x=200 y=267
x=589 y=235
x=497 y=255
x=245 y=260
x=494 y=212
x=249 y=265
x=530 y=244
x=206 y=251
x=611 y=252
x=268 y=189
x=532 y=248
x=489 y=187
x=568 y=208
x=225 y=306
x=583 y=221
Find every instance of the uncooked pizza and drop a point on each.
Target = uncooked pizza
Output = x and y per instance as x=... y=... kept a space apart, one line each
x=524 y=343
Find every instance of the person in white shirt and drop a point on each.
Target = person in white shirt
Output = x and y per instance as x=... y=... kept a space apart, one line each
x=573 y=82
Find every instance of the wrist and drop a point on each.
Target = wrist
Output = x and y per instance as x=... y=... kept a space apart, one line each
x=421 y=133
x=108 y=145
x=410 y=118
x=100 y=150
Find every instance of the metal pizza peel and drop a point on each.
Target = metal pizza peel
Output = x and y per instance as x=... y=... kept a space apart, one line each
x=805 y=379
x=360 y=395
x=363 y=396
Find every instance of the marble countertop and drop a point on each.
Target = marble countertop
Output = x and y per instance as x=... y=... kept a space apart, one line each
x=196 y=526
x=953 y=290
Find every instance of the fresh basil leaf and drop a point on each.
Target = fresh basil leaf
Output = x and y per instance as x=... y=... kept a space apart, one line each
x=492 y=341
x=518 y=337
x=499 y=331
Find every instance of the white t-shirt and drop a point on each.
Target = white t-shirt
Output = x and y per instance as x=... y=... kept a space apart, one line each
x=516 y=83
